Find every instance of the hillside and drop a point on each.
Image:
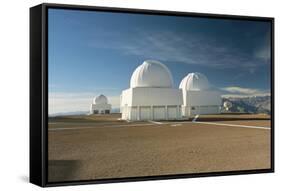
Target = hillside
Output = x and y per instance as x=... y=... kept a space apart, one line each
x=255 y=104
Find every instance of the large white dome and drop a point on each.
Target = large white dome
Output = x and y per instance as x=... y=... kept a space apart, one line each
x=194 y=81
x=151 y=74
x=101 y=99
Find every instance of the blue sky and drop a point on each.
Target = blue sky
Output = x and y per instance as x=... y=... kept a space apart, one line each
x=94 y=52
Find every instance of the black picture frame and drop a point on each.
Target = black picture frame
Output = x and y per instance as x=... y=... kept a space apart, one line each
x=39 y=93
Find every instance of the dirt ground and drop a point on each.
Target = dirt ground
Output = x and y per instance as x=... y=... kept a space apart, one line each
x=98 y=147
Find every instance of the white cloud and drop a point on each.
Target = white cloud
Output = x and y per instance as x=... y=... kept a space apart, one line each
x=71 y=102
x=235 y=91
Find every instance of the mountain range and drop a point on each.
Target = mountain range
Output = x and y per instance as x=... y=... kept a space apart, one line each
x=252 y=104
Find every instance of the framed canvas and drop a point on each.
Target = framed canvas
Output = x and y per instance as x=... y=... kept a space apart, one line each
x=130 y=95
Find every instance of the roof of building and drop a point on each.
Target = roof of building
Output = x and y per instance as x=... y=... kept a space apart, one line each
x=100 y=99
x=194 y=82
x=151 y=73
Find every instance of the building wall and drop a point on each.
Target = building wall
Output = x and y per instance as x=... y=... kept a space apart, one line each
x=100 y=107
x=151 y=104
x=151 y=96
x=126 y=97
x=188 y=111
x=201 y=102
x=201 y=98
x=144 y=113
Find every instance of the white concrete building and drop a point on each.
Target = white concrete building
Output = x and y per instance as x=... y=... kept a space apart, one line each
x=151 y=95
x=198 y=96
x=100 y=105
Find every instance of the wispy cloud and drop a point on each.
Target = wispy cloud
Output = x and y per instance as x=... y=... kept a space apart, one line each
x=69 y=102
x=235 y=91
x=176 y=47
x=263 y=52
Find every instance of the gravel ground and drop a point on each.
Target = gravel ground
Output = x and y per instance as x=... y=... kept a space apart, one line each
x=108 y=149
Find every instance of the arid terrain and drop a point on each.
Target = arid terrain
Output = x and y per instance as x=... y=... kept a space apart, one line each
x=103 y=146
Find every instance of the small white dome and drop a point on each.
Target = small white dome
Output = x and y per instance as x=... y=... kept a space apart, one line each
x=227 y=104
x=101 y=99
x=151 y=74
x=194 y=81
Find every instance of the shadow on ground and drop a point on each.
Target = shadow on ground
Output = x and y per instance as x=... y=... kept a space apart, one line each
x=63 y=170
x=24 y=178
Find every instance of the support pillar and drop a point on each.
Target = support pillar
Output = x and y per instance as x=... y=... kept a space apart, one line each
x=138 y=109
x=166 y=112
x=178 y=111
x=151 y=113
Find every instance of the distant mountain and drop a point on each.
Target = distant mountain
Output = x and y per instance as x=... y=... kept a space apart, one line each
x=69 y=113
x=113 y=110
x=253 y=104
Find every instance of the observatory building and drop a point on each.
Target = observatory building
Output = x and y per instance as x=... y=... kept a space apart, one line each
x=198 y=96
x=100 y=105
x=227 y=105
x=151 y=95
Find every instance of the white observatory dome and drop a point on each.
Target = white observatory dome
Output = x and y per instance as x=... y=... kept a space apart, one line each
x=227 y=104
x=151 y=74
x=194 y=81
x=101 y=99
